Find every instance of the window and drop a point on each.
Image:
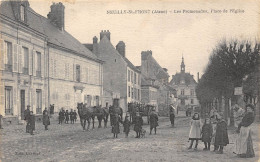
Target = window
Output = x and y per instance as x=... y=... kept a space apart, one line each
x=129 y=75
x=129 y=91
x=87 y=75
x=8 y=101
x=38 y=101
x=8 y=57
x=38 y=68
x=191 y=101
x=132 y=76
x=97 y=100
x=78 y=73
x=138 y=95
x=182 y=92
x=132 y=92
x=26 y=60
x=89 y=98
x=182 y=102
x=22 y=13
x=135 y=78
x=191 y=92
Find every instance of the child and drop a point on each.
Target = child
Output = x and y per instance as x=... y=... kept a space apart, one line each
x=127 y=125
x=115 y=125
x=195 y=130
x=206 y=132
x=221 y=138
x=71 y=117
x=75 y=116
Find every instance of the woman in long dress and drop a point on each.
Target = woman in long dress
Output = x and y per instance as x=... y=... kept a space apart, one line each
x=244 y=144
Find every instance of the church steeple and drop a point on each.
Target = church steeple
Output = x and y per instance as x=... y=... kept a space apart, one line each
x=182 y=65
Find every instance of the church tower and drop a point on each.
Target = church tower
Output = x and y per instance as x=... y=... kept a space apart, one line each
x=182 y=66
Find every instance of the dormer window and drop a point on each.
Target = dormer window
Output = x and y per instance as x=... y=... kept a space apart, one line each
x=22 y=13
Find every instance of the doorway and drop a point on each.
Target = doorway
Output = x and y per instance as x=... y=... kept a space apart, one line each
x=22 y=95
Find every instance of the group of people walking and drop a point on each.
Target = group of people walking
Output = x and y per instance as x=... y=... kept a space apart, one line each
x=214 y=132
x=137 y=124
x=67 y=116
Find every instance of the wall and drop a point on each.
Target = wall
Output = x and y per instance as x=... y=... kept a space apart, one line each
x=16 y=79
x=63 y=80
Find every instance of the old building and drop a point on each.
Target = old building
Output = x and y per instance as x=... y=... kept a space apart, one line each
x=75 y=73
x=42 y=64
x=23 y=61
x=155 y=89
x=185 y=85
x=121 y=78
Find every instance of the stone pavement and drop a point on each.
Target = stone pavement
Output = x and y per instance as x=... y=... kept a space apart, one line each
x=69 y=143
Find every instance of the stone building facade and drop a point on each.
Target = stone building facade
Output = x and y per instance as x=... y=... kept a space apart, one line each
x=121 y=79
x=185 y=86
x=42 y=64
x=155 y=89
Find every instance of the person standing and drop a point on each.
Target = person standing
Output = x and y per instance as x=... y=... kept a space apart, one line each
x=71 y=117
x=31 y=122
x=126 y=125
x=26 y=117
x=195 y=131
x=75 y=116
x=172 y=115
x=67 y=117
x=153 y=121
x=244 y=144
x=1 y=121
x=61 y=116
x=138 y=125
x=221 y=137
x=206 y=133
x=45 y=119
x=115 y=126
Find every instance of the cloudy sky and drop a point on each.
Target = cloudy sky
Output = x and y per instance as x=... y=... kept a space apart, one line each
x=170 y=35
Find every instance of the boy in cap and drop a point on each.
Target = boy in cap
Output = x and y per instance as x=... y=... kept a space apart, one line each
x=126 y=125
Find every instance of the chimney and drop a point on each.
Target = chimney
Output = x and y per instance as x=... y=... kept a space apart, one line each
x=105 y=33
x=56 y=15
x=198 y=77
x=120 y=47
x=95 y=45
x=145 y=54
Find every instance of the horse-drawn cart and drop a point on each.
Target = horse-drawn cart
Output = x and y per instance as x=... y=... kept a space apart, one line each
x=143 y=109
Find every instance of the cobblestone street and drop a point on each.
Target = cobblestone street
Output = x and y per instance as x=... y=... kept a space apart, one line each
x=68 y=142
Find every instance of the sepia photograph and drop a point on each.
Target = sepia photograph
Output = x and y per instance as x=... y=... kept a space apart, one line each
x=129 y=80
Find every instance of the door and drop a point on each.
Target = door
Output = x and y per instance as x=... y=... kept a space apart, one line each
x=22 y=95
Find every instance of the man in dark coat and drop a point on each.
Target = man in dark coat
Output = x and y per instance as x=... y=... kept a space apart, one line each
x=26 y=117
x=61 y=117
x=31 y=122
x=172 y=115
x=153 y=121
x=71 y=117
x=45 y=119
x=138 y=125
x=75 y=116
x=115 y=127
x=67 y=118
x=221 y=138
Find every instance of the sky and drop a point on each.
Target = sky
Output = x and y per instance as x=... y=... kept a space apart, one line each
x=170 y=36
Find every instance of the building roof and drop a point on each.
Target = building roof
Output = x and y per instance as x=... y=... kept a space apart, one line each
x=54 y=36
x=178 y=77
x=105 y=43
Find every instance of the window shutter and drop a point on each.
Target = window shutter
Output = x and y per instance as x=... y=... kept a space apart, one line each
x=30 y=61
x=42 y=65
x=34 y=62
x=20 y=63
x=2 y=98
x=2 y=54
x=22 y=58
x=15 y=58
x=74 y=72
x=43 y=100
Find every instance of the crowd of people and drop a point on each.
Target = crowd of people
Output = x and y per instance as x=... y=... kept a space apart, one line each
x=214 y=131
x=66 y=116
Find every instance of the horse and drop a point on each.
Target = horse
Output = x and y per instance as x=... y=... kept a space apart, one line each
x=85 y=114
x=103 y=116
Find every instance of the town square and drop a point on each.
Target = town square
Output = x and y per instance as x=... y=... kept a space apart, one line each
x=129 y=81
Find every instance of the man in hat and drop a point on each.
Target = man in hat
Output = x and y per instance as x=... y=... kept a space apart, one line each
x=31 y=122
x=45 y=119
x=26 y=117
